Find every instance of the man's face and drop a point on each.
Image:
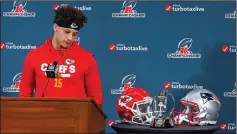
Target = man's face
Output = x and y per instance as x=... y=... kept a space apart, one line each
x=65 y=36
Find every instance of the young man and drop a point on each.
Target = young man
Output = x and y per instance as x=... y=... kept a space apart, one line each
x=78 y=75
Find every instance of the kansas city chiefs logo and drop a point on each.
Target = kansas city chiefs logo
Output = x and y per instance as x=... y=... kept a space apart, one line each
x=69 y=61
x=124 y=99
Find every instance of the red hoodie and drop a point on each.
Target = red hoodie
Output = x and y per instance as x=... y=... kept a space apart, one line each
x=78 y=73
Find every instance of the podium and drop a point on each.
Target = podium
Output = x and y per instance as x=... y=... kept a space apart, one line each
x=51 y=115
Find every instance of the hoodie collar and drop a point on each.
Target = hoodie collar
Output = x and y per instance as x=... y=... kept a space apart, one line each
x=49 y=44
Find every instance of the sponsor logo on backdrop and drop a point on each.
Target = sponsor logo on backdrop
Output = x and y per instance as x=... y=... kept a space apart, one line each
x=128 y=11
x=229 y=48
x=178 y=85
x=78 y=39
x=11 y=45
x=183 y=50
x=16 y=81
x=127 y=47
x=231 y=15
x=82 y=7
x=228 y=126
x=232 y=93
x=127 y=82
x=182 y=8
x=19 y=10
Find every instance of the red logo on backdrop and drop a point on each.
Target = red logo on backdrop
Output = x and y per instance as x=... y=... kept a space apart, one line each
x=17 y=84
x=19 y=10
x=168 y=7
x=56 y=6
x=128 y=9
x=223 y=126
x=225 y=48
x=167 y=85
x=16 y=81
x=128 y=6
x=127 y=86
x=184 y=45
x=183 y=50
x=3 y=45
x=128 y=81
x=110 y=122
x=112 y=47
x=18 y=6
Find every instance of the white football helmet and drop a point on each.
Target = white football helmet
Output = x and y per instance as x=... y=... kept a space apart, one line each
x=198 y=107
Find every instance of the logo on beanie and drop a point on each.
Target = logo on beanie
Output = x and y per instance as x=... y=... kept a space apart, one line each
x=74 y=25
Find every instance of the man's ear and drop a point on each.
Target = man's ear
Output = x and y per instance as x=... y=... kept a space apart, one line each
x=55 y=27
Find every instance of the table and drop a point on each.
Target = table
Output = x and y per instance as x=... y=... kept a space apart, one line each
x=134 y=128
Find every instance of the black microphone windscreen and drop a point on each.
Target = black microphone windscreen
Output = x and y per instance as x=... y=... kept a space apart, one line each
x=55 y=62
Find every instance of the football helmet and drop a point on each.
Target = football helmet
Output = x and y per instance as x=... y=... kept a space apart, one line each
x=198 y=107
x=133 y=106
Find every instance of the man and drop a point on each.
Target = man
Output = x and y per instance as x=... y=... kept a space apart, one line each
x=78 y=75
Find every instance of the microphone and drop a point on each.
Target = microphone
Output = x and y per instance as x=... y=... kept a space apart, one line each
x=51 y=72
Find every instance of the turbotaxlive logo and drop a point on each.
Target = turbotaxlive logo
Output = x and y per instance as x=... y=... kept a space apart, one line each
x=177 y=85
x=183 y=50
x=123 y=47
x=16 y=81
x=228 y=126
x=232 y=93
x=127 y=82
x=11 y=45
x=229 y=48
x=128 y=11
x=82 y=8
x=179 y=8
x=19 y=10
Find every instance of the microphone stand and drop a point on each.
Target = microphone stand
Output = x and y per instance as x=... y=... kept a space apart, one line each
x=45 y=86
x=50 y=75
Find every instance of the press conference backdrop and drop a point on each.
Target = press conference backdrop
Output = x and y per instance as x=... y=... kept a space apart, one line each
x=142 y=49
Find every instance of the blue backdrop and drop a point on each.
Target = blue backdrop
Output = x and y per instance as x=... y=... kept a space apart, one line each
x=142 y=46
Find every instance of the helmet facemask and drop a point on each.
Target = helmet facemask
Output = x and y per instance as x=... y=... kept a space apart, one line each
x=142 y=112
x=188 y=114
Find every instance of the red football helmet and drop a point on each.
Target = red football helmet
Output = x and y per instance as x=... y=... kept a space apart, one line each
x=133 y=106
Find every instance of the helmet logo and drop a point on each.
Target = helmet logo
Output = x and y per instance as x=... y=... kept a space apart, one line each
x=207 y=97
x=124 y=100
